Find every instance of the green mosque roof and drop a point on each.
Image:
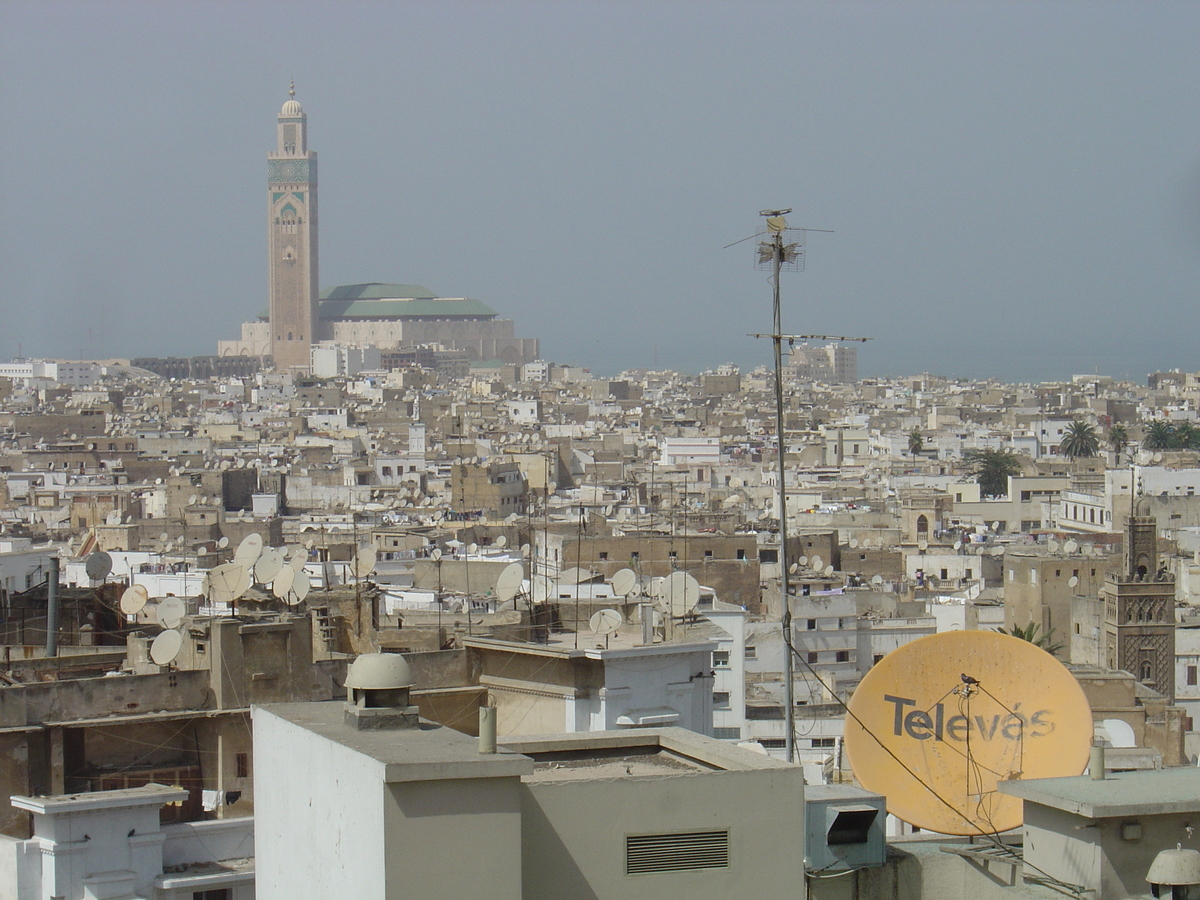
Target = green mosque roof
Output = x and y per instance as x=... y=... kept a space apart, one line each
x=375 y=291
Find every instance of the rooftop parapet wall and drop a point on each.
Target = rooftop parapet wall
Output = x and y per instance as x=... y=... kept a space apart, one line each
x=91 y=698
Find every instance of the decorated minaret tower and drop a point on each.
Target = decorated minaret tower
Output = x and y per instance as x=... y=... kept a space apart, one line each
x=292 y=240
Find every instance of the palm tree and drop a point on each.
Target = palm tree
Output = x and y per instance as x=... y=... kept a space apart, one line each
x=992 y=469
x=1046 y=641
x=916 y=443
x=1080 y=440
x=1158 y=435
x=1118 y=437
x=1186 y=436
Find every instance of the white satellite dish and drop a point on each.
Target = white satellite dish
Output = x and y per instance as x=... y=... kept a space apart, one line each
x=228 y=582
x=364 y=561
x=606 y=621
x=525 y=550
x=163 y=537
x=1120 y=733
x=166 y=647
x=877 y=579
x=113 y=518
x=284 y=579
x=958 y=545
x=624 y=581
x=298 y=559
x=803 y=560
x=270 y=561
x=171 y=612
x=249 y=550
x=223 y=543
x=98 y=565
x=1070 y=546
x=435 y=554
x=681 y=592
x=472 y=548
x=509 y=582
x=301 y=585
x=828 y=571
x=922 y=544
x=656 y=587
x=133 y=600
x=1073 y=581
x=192 y=500
x=815 y=562
x=996 y=526
x=853 y=543
x=501 y=542
x=793 y=567
x=1053 y=545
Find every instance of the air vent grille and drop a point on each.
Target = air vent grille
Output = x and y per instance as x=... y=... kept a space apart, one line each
x=649 y=853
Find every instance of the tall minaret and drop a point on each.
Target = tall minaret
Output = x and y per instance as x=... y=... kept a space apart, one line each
x=292 y=240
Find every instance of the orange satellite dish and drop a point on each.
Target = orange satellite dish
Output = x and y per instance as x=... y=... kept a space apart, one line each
x=951 y=715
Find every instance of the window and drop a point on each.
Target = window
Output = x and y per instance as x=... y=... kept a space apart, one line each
x=1033 y=576
x=768 y=555
x=752 y=652
x=727 y=734
x=812 y=657
x=672 y=554
x=824 y=742
x=708 y=554
x=741 y=553
x=1191 y=675
x=242 y=765
x=945 y=574
x=720 y=659
x=721 y=699
x=811 y=624
x=877 y=658
x=843 y=656
x=773 y=743
x=603 y=555
x=214 y=894
x=651 y=853
x=635 y=555
x=969 y=573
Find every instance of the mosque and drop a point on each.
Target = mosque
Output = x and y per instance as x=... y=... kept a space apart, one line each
x=386 y=316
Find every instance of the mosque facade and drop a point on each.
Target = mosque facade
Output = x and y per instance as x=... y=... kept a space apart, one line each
x=373 y=314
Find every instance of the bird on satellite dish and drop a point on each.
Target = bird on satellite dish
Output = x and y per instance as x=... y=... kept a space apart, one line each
x=967 y=679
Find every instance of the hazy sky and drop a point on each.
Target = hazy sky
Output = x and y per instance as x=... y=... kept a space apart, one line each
x=1014 y=187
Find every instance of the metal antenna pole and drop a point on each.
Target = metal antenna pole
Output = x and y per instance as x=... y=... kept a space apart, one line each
x=789 y=689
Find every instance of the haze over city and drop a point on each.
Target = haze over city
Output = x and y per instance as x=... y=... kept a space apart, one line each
x=1014 y=189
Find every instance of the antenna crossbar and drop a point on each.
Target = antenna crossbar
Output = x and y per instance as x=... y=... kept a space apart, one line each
x=811 y=337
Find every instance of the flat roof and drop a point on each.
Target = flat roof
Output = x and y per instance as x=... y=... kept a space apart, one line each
x=593 y=645
x=1174 y=790
x=428 y=752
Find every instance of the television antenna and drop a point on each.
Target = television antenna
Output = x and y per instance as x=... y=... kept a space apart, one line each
x=782 y=251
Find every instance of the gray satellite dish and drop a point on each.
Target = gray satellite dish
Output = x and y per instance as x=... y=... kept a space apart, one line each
x=98 y=565
x=624 y=581
x=501 y=542
x=606 y=621
x=509 y=582
x=133 y=600
x=681 y=592
x=166 y=647
x=171 y=612
x=249 y=550
x=282 y=584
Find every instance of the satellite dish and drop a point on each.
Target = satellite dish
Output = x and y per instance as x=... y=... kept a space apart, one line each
x=922 y=544
x=1070 y=546
x=298 y=559
x=624 y=582
x=163 y=537
x=472 y=548
x=249 y=550
x=171 y=612
x=501 y=542
x=828 y=571
x=606 y=621
x=656 y=587
x=793 y=567
x=853 y=543
x=877 y=579
x=284 y=579
x=803 y=560
x=228 y=582
x=815 y=562
x=301 y=585
x=192 y=500
x=223 y=543
x=113 y=518
x=364 y=561
x=1073 y=581
x=435 y=554
x=270 y=561
x=1120 y=733
x=509 y=582
x=1053 y=545
x=525 y=549
x=552 y=487
x=681 y=592
x=98 y=565
x=166 y=647
x=996 y=527
x=133 y=600
x=926 y=781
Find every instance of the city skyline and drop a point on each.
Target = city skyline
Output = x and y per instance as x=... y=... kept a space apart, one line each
x=1009 y=187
